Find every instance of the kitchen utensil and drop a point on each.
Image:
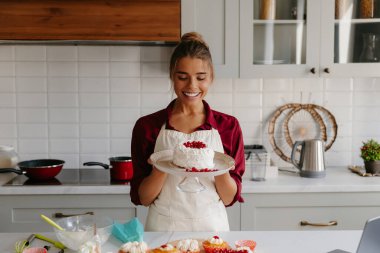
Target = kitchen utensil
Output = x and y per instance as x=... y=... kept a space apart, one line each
x=8 y=157
x=41 y=169
x=46 y=239
x=311 y=162
x=121 y=168
x=51 y=222
x=80 y=229
x=20 y=246
x=256 y=161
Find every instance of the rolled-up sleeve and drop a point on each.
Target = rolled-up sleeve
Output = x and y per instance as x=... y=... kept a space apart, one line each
x=233 y=144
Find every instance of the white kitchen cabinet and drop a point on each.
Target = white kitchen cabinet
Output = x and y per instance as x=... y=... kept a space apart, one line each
x=282 y=47
x=218 y=22
x=21 y=213
x=304 y=40
x=285 y=211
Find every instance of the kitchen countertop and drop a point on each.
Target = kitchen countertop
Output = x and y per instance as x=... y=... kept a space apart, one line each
x=338 y=179
x=267 y=241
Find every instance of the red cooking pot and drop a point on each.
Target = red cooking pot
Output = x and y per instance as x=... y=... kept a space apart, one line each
x=121 y=168
x=41 y=169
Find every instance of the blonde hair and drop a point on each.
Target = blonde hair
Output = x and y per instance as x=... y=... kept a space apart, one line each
x=191 y=45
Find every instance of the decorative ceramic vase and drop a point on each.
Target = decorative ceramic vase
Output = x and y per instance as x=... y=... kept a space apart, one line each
x=372 y=167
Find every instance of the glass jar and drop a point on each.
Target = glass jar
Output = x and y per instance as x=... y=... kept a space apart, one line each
x=367 y=8
x=268 y=9
x=370 y=52
x=8 y=157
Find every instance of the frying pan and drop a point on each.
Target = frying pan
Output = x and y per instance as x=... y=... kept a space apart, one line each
x=121 y=168
x=41 y=169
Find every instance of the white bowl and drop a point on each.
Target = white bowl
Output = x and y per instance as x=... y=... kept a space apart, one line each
x=80 y=229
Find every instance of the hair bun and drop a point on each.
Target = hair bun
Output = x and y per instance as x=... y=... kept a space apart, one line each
x=193 y=37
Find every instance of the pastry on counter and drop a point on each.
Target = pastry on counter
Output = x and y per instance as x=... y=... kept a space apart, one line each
x=166 y=248
x=134 y=247
x=214 y=243
x=188 y=246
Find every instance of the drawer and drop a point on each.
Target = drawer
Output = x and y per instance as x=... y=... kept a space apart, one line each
x=285 y=211
x=313 y=218
x=22 y=213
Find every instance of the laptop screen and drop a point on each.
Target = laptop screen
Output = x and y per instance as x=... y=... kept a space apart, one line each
x=370 y=240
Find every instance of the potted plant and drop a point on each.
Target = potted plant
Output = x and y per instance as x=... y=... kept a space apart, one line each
x=370 y=152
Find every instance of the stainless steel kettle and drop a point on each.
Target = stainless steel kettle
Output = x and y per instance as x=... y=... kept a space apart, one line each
x=311 y=162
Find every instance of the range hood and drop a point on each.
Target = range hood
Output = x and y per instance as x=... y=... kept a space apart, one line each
x=92 y=22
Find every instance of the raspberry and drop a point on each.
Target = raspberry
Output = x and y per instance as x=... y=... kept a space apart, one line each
x=229 y=251
x=194 y=144
x=200 y=170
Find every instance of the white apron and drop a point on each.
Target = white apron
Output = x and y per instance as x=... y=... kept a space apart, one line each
x=174 y=210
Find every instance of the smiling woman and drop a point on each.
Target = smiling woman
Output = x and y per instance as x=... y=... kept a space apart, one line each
x=187 y=118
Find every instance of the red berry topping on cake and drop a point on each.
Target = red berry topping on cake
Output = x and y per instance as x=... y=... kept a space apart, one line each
x=230 y=251
x=215 y=237
x=200 y=170
x=164 y=246
x=194 y=144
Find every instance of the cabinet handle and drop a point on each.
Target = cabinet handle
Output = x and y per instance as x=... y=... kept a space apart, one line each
x=330 y=223
x=312 y=70
x=61 y=215
x=327 y=70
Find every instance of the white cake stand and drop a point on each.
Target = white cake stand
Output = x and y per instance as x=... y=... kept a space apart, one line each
x=162 y=160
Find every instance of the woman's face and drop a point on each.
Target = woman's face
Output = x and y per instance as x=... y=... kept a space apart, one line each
x=191 y=79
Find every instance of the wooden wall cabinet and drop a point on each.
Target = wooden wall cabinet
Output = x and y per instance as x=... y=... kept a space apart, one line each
x=116 y=20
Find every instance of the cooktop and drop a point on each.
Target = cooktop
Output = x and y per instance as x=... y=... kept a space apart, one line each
x=71 y=177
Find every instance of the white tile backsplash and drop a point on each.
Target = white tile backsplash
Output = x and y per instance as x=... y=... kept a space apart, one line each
x=124 y=69
x=7 y=84
x=93 y=53
x=32 y=131
x=95 y=131
x=93 y=100
x=7 y=100
x=31 y=68
x=64 y=146
x=80 y=103
x=7 y=68
x=125 y=99
x=63 y=99
x=63 y=115
x=8 y=115
x=120 y=53
x=62 y=53
x=159 y=85
x=30 y=53
x=62 y=84
x=57 y=131
x=8 y=131
x=31 y=99
x=125 y=84
x=32 y=115
x=93 y=69
x=7 y=53
x=96 y=146
x=64 y=68
x=94 y=84
x=31 y=84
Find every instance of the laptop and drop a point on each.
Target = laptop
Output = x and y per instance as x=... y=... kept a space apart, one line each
x=370 y=240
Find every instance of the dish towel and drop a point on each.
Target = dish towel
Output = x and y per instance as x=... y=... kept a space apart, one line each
x=130 y=231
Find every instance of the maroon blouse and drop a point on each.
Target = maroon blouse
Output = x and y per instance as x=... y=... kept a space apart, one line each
x=145 y=133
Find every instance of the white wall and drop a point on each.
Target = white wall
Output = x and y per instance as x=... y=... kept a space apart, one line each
x=79 y=103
